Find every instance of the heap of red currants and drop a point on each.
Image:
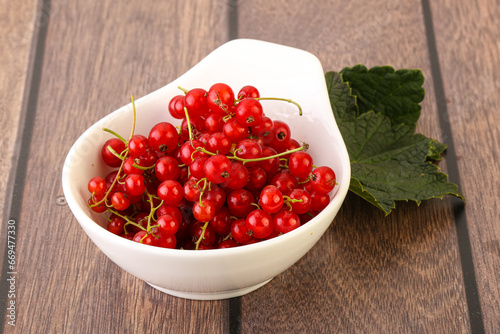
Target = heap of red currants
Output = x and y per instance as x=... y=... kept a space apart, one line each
x=227 y=176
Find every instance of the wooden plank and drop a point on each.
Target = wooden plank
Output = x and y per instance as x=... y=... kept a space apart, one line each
x=97 y=54
x=16 y=33
x=369 y=273
x=467 y=37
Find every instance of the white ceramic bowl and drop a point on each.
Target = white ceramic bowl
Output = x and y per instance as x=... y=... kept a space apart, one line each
x=277 y=71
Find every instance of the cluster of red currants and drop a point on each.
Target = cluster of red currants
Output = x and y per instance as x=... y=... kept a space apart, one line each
x=229 y=176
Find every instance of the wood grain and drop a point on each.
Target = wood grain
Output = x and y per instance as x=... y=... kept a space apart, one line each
x=467 y=37
x=16 y=34
x=97 y=54
x=369 y=273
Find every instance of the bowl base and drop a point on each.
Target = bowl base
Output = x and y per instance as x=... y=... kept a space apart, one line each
x=211 y=295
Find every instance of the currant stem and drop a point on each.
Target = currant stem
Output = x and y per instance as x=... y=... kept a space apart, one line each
x=234 y=157
x=189 y=125
x=184 y=90
x=134 y=117
x=128 y=221
x=202 y=236
x=115 y=134
x=281 y=99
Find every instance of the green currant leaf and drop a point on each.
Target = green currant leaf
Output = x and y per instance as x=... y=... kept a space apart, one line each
x=389 y=162
x=395 y=94
x=343 y=102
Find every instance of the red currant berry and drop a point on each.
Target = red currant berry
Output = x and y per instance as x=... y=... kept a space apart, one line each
x=163 y=137
x=238 y=177
x=271 y=199
x=239 y=231
x=247 y=92
x=176 y=107
x=134 y=185
x=215 y=195
x=115 y=225
x=229 y=243
x=119 y=201
x=249 y=112
x=109 y=158
x=257 y=178
x=189 y=152
x=285 y=182
x=219 y=143
x=264 y=129
x=97 y=185
x=286 y=221
x=137 y=145
x=300 y=201
x=144 y=238
x=167 y=168
x=260 y=223
x=281 y=136
x=217 y=168
x=220 y=98
x=195 y=102
x=165 y=240
x=323 y=179
x=319 y=200
x=167 y=224
x=235 y=131
x=300 y=164
x=240 y=202
x=221 y=222
x=203 y=210
x=170 y=192
x=214 y=122
x=248 y=149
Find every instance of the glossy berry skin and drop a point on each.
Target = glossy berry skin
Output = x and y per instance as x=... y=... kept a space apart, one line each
x=214 y=122
x=319 y=200
x=176 y=107
x=302 y=203
x=257 y=178
x=240 y=202
x=196 y=167
x=227 y=244
x=119 y=201
x=165 y=240
x=239 y=231
x=215 y=195
x=167 y=224
x=264 y=129
x=235 y=131
x=248 y=149
x=191 y=190
x=271 y=199
x=238 y=177
x=286 y=221
x=170 y=192
x=220 y=98
x=195 y=102
x=163 y=137
x=128 y=166
x=188 y=151
x=300 y=164
x=109 y=158
x=221 y=222
x=217 y=168
x=115 y=225
x=172 y=210
x=100 y=208
x=249 y=112
x=167 y=168
x=281 y=136
x=323 y=179
x=134 y=185
x=144 y=238
x=272 y=165
x=137 y=145
x=203 y=210
x=248 y=92
x=260 y=223
x=219 y=143
x=97 y=185
x=285 y=182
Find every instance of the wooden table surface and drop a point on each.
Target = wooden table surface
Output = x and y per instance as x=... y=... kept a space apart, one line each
x=433 y=268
